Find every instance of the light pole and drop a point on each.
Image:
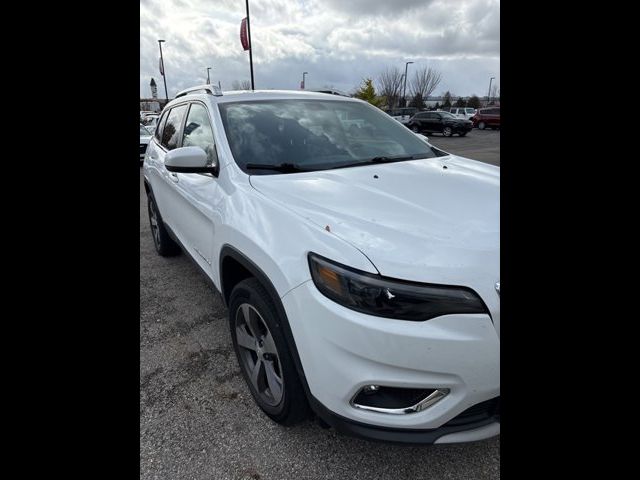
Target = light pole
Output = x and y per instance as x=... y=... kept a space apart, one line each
x=164 y=77
x=303 y=80
x=404 y=90
x=208 y=79
x=489 y=93
x=250 y=47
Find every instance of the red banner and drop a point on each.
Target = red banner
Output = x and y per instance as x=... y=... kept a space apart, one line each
x=244 y=38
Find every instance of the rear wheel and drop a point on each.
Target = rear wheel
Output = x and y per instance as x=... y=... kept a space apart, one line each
x=263 y=353
x=165 y=246
x=482 y=125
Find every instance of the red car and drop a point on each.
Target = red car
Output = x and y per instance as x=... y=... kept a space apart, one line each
x=487 y=117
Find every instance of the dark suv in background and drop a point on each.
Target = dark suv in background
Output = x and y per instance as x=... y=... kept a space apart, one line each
x=439 y=122
x=487 y=117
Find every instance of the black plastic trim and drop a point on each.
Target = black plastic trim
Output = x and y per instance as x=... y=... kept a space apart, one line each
x=392 y=435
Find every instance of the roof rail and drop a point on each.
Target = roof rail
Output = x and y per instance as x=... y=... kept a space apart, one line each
x=210 y=89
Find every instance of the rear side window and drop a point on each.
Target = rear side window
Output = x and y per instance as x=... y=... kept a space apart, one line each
x=172 y=128
x=160 y=126
x=198 y=131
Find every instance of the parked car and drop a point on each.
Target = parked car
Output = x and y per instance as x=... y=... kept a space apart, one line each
x=145 y=137
x=487 y=117
x=144 y=113
x=358 y=263
x=402 y=115
x=150 y=121
x=462 y=112
x=440 y=122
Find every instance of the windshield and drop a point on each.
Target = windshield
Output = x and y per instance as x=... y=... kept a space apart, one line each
x=315 y=134
x=144 y=131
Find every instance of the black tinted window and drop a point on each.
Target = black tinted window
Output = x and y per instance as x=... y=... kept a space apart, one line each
x=160 y=126
x=198 y=131
x=171 y=130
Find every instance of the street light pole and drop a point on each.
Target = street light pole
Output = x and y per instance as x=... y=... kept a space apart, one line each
x=303 y=80
x=404 y=90
x=489 y=93
x=250 y=47
x=208 y=78
x=164 y=76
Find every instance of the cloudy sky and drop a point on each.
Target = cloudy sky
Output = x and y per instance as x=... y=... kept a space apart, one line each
x=339 y=42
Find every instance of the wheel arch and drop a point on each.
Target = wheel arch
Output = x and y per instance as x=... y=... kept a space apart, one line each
x=230 y=258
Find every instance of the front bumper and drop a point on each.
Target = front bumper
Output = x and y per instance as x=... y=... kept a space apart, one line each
x=342 y=350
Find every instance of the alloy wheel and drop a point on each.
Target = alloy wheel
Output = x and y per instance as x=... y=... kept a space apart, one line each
x=258 y=354
x=153 y=221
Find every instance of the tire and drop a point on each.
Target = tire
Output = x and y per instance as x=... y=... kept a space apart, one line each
x=447 y=132
x=165 y=246
x=415 y=129
x=276 y=387
x=482 y=125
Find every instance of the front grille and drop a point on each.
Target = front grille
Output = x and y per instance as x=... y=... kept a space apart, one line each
x=478 y=412
x=143 y=148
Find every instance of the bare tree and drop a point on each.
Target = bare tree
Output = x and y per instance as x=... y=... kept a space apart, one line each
x=243 y=85
x=390 y=85
x=425 y=81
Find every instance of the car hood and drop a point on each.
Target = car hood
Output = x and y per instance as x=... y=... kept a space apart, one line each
x=432 y=220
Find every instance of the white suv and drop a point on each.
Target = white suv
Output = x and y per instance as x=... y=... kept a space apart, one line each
x=359 y=264
x=462 y=112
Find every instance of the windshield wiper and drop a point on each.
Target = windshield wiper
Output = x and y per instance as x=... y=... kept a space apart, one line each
x=280 y=167
x=381 y=159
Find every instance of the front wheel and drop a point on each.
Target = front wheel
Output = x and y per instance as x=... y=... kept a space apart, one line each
x=482 y=125
x=446 y=131
x=415 y=129
x=263 y=353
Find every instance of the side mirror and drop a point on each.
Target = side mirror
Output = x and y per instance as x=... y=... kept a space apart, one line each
x=189 y=160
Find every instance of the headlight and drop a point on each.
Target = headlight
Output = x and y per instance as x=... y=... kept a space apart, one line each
x=387 y=297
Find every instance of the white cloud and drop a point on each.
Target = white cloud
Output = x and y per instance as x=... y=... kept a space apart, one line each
x=338 y=42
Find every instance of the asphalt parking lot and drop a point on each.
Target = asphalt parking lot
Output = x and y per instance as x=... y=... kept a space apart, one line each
x=483 y=145
x=198 y=419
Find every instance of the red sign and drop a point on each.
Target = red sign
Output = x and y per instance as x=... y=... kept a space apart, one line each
x=244 y=38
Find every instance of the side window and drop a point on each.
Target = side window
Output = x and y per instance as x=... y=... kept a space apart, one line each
x=198 y=131
x=160 y=126
x=171 y=130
